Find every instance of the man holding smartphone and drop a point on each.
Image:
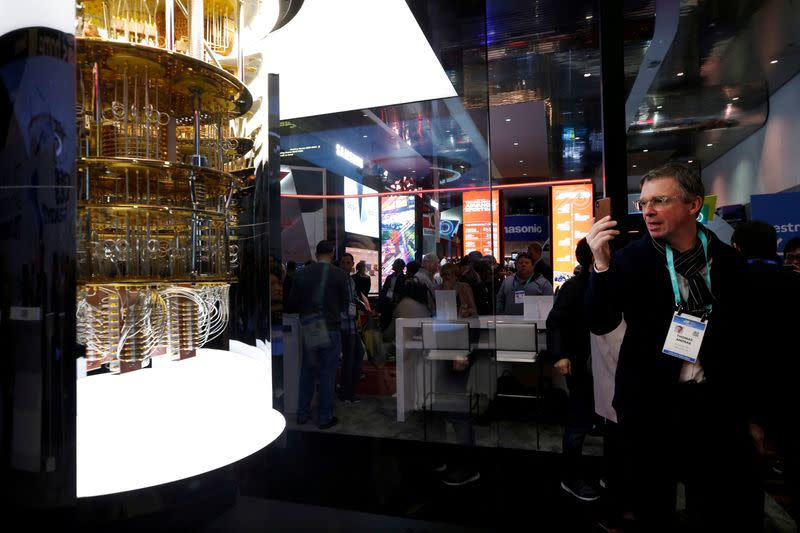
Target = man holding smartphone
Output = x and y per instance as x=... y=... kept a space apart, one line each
x=680 y=396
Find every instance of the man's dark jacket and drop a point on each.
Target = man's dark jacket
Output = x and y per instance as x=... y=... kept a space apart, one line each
x=637 y=286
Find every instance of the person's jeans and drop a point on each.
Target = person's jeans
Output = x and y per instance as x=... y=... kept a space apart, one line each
x=322 y=361
x=352 y=355
x=580 y=422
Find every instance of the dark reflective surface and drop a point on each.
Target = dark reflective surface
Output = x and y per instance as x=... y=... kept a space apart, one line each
x=37 y=270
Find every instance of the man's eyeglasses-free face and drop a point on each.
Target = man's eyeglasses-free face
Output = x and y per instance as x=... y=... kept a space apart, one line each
x=658 y=202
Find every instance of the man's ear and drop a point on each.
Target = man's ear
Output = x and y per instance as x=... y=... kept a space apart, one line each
x=697 y=205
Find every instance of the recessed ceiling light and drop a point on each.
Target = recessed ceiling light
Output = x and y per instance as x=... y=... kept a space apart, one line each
x=679 y=74
x=572 y=170
x=364 y=136
x=773 y=61
x=508 y=120
x=521 y=161
x=524 y=173
x=659 y=106
x=634 y=166
x=587 y=74
x=690 y=161
x=516 y=143
x=710 y=145
x=735 y=98
x=447 y=131
x=589 y=17
x=577 y=138
x=645 y=150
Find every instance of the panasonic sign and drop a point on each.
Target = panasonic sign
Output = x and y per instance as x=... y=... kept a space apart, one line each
x=526 y=228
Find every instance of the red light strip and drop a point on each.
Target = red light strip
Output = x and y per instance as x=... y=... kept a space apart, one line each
x=440 y=191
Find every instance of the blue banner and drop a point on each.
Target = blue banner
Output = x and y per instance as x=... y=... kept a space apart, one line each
x=526 y=228
x=782 y=211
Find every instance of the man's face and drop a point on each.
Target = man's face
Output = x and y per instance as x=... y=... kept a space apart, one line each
x=524 y=268
x=346 y=264
x=432 y=266
x=666 y=220
x=792 y=259
x=535 y=253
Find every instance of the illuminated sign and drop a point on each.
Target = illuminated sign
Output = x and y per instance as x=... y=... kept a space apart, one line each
x=572 y=220
x=482 y=222
x=360 y=214
x=398 y=232
x=347 y=155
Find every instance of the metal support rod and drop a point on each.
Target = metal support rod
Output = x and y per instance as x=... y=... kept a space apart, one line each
x=205 y=44
x=98 y=111
x=239 y=48
x=169 y=25
x=196 y=38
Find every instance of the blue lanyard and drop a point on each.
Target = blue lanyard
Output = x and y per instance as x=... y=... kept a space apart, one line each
x=674 y=278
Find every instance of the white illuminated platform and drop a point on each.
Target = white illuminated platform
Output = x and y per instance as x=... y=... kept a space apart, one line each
x=173 y=421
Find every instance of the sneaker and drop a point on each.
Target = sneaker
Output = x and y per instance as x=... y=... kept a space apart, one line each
x=603 y=484
x=353 y=400
x=580 y=489
x=332 y=422
x=459 y=477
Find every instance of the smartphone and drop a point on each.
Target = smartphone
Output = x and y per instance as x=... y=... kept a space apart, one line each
x=602 y=208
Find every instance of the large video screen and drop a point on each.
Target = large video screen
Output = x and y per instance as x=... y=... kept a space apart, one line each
x=572 y=220
x=482 y=222
x=398 y=232
x=370 y=257
x=360 y=214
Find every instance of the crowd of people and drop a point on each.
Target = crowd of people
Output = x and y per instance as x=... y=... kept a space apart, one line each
x=686 y=404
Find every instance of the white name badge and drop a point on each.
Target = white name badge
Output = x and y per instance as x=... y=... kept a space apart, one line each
x=519 y=297
x=684 y=337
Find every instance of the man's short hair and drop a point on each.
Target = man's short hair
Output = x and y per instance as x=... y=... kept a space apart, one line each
x=688 y=179
x=525 y=255
x=347 y=254
x=398 y=262
x=430 y=258
x=475 y=255
x=756 y=239
x=324 y=248
x=536 y=246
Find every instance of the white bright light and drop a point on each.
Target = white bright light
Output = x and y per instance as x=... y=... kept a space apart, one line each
x=434 y=204
x=56 y=14
x=587 y=75
x=173 y=421
x=344 y=41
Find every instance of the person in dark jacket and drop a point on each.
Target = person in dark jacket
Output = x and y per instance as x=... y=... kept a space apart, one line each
x=320 y=295
x=776 y=399
x=391 y=292
x=569 y=346
x=362 y=279
x=681 y=399
x=540 y=266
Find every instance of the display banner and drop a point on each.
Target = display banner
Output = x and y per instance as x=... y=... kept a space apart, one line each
x=782 y=211
x=398 y=232
x=526 y=228
x=572 y=218
x=482 y=222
